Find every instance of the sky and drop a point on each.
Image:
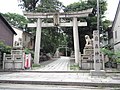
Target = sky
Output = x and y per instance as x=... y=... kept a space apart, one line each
x=12 y=6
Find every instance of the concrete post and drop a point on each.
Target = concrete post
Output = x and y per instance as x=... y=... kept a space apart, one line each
x=66 y=51
x=37 y=42
x=103 y=61
x=76 y=40
x=57 y=53
x=4 y=54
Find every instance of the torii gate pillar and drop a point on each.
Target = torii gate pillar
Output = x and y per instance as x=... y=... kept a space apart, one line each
x=76 y=40
x=37 y=41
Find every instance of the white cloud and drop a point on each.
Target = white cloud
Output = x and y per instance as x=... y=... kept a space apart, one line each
x=9 y=6
x=112 y=7
x=67 y=2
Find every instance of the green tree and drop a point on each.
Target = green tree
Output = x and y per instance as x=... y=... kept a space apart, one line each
x=42 y=5
x=49 y=6
x=4 y=48
x=51 y=37
x=82 y=5
x=91 y=20
x=16 y=20
x=29 y=5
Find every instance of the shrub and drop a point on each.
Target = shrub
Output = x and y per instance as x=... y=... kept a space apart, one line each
x=114 y=56
x=4 y=48
x=108 y=52
x=27 y=51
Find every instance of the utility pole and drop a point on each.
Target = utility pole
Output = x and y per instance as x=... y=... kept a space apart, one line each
x=96 y=45
x=98 y=15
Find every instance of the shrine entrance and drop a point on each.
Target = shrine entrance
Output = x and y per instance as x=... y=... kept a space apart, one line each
x=56 y=18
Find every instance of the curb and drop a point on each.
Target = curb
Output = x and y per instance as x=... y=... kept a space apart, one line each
x=63 y=83
x=45 y=71
x=30 y=71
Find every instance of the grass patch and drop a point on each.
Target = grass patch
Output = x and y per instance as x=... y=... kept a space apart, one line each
x=74 y=67
x=36 y=65
x=118 y=60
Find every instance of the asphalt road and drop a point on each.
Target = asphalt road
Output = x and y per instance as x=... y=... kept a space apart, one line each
x=49 y=87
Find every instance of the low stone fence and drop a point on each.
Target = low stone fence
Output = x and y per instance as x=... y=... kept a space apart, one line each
x=13 y=61
x=87 y=62
x=16 y=60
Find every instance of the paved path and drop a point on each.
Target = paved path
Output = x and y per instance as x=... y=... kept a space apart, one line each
x=60 y=64
x=60 y=79
x=52 y=78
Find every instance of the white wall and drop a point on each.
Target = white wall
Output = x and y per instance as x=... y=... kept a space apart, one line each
x=117 y=48
x=26 y=39
x=116 y=31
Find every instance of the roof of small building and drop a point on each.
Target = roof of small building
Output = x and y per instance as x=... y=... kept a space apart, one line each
x=24 y=31
x=7 y=24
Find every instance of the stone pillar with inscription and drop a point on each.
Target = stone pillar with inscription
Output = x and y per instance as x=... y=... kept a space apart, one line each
x=96 y=48
x=97 y=62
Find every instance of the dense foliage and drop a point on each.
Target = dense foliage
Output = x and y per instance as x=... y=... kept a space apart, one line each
x=4 y=48
x=16 y=20
x=91 y=20
x=42 y=5
x=51 y=37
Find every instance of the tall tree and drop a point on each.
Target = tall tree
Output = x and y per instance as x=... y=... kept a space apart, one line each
x=51 y=37
x=82 y=5
x=29 y=5
x=91 y=20
x=16 y=20
x=56 y=6
x=49 y=6
x=42 y=5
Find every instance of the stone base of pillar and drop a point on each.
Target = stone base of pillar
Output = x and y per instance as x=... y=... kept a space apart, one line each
x=97 y=73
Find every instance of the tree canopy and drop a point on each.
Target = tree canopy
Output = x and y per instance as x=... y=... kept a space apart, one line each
x=42 y=5
x=51 y=37
x=29 y=5
x=16 y=20
x=91 y=20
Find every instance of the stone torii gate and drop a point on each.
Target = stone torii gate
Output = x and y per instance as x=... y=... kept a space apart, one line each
x=74 y=23
x=57 y=50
